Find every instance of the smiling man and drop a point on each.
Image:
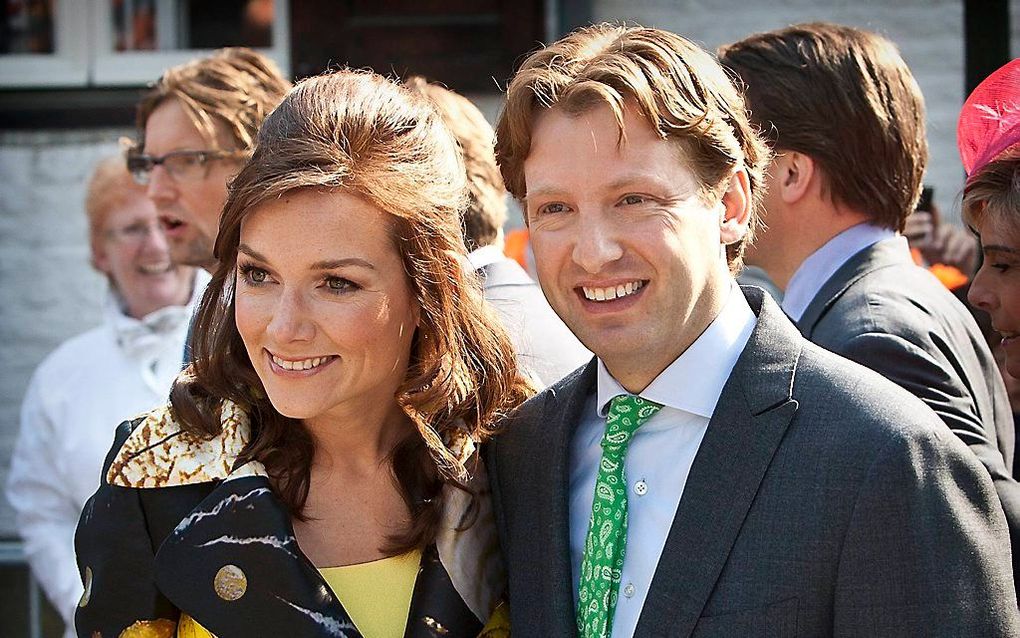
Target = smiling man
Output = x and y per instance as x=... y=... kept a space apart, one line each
x=710 y=472
x=196 y=125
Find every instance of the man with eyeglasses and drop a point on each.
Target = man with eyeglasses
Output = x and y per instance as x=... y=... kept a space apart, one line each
x=196 y=125
x=97 y=379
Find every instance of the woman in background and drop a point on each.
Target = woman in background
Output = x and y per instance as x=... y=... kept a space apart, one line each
x=316 y=473
x=97 y=379
x=988 y=135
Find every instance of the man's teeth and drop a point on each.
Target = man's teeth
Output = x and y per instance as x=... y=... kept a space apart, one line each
x=304 y=364
x=612 y=292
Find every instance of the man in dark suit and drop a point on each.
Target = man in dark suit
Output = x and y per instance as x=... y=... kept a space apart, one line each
x=850 y=154
x=710 y=473
x=546 y=349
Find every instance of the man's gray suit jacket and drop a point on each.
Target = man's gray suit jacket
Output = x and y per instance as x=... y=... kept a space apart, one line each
x=886 y=313
x=823 y=501
x=545 y=346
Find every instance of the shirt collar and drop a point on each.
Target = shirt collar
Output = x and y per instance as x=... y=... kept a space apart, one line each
x=485 y=256
x=824 y=262
x=694 y=381
x=137 y=336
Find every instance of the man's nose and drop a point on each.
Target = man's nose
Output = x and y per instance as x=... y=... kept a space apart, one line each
x=596 y=243
x=162 y=188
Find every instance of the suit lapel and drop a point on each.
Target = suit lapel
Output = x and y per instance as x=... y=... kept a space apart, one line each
x=551 y=455
x=879 y=255
x=753 y=413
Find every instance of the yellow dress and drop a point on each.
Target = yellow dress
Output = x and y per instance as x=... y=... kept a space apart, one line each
x=377 y=595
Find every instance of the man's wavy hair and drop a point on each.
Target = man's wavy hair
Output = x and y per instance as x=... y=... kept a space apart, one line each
x=358 y=133
x=678 y=87
x=844 y=97
x=232 y=91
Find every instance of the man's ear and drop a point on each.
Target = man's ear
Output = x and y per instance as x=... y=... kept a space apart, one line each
x=792 y=176
x=737 y=205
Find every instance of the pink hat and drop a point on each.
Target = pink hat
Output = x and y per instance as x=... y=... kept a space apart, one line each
x=990 y=119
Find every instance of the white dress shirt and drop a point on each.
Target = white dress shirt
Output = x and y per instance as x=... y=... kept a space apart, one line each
x=660 y=454
x=74 y=402
x=822 y=264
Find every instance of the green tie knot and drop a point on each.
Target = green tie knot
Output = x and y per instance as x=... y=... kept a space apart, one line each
x=626 y=414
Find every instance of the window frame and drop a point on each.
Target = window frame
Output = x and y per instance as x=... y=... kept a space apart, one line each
x=109 y=68
x=67 y=66
x=84 y=55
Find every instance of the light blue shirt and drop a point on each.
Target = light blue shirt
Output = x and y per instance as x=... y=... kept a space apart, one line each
x=660 y=454
x=822 y=264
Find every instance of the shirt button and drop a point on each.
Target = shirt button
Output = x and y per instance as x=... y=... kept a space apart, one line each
x=641 y=488
x=628 y=590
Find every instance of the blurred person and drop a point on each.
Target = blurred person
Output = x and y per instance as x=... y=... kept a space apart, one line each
x=316 y=473
x=850 y=154
x=196 y=126
x=949 y=251
x=99 y=378
x=712 y=473
x=988 y=135
x=545 y=347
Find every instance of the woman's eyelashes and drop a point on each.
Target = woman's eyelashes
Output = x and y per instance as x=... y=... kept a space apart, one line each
x=252 y=275
x=340 y=285
x=256 y=277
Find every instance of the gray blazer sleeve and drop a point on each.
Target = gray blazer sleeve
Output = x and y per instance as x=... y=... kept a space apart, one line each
x=930 y=380
x=925 y=552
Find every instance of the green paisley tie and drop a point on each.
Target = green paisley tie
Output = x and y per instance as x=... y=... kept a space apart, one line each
x=606 y=545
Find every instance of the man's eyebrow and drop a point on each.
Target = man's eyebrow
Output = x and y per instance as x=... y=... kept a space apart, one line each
x=623 y=181
x=542 y=191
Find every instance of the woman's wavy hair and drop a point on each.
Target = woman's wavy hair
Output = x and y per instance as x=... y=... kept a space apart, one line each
x=679 y=89
x=360 y=133
x=993 y=193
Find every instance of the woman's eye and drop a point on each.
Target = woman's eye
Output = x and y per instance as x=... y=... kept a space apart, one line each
x=630 y=200
x=339 y=284
x=252 y=275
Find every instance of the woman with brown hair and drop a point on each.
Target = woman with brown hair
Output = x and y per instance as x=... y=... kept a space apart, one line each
x=316 y=473
x=989 y=140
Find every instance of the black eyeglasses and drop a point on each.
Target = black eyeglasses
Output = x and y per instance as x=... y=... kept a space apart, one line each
x=186 y=166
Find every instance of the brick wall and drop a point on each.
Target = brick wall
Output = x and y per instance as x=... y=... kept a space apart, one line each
x=48 y=289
